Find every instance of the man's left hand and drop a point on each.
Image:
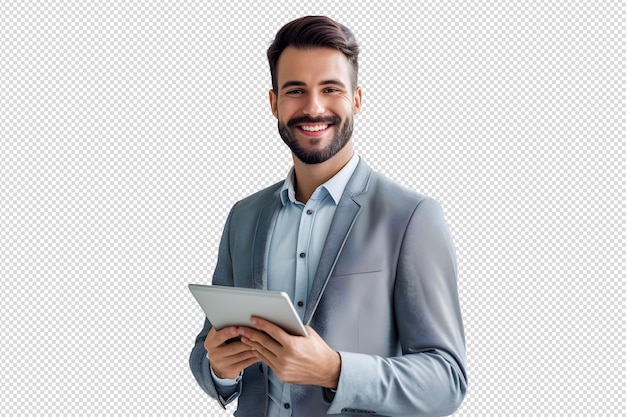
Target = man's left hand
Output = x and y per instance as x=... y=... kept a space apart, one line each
x=304 y=360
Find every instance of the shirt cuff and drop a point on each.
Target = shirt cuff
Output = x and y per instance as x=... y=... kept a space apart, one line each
x=355 y=369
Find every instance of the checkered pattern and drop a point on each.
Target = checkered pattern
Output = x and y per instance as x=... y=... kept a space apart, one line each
x=128 y=129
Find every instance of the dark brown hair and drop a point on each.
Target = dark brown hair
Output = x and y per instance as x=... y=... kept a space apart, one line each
x=314 y=32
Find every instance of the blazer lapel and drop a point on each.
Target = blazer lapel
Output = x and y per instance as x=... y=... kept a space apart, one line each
x=262 y=238
x=343 y=220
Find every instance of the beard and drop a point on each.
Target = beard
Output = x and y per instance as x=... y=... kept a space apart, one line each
x=341 y=137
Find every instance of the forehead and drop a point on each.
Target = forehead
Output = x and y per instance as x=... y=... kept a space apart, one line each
x=312 y=66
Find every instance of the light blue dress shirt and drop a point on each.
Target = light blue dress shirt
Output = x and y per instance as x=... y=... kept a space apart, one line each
x=295 y=250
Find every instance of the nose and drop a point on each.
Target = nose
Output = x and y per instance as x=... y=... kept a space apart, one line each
x=314 y=105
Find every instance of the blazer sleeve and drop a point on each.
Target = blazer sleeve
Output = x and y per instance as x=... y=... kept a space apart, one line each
x=429 y=378
x=198 y=361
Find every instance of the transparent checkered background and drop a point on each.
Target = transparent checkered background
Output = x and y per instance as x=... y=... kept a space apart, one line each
x=128 y=129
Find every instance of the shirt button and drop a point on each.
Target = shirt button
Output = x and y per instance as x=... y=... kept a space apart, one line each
x=302 y=255
x=300 y=304
x=287 y=406
x=309 y=212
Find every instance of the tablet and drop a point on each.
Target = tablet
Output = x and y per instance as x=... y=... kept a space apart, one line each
x=232 y=306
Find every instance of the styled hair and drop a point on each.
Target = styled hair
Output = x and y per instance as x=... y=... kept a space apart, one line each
x=311 y=32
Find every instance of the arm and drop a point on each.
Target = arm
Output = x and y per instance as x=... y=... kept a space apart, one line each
x=198 y=361
x=429 y=378
x=201 y=369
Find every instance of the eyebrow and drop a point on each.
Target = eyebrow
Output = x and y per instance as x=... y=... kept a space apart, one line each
x=303 y=84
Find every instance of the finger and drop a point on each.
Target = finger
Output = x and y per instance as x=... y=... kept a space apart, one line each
x=264 y=352
x=231 y=349
x=239 y=355
x=239 y=366
x=219 y=337
x=230 y=369
x=236 y=355
x=226 y=334
x=276 y=332
x=257 y=338
x=226 y=355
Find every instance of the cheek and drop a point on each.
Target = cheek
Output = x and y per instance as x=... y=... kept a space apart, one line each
x=284 y=112
x=347 y=103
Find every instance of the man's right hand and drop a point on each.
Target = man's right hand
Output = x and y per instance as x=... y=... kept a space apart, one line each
x=228 y=357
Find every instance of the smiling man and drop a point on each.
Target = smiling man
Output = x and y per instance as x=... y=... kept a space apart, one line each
x=369 y=265
x=316 y=104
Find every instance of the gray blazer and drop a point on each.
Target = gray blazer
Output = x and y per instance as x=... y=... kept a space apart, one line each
x=385 y=296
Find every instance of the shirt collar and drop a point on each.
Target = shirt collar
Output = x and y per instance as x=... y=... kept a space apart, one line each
x=334 y=186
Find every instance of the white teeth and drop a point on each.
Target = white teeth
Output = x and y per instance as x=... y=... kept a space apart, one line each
x=315 y=128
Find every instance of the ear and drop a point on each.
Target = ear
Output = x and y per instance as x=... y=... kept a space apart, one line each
x=358 y=96
x=273 y=103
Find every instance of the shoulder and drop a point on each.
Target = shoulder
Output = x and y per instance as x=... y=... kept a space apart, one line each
x=371 y=185
x=372 y=189
x=381 y=188
x=259 y=199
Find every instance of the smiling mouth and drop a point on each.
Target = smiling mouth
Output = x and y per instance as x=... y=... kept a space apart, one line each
x=314 y=128
x=313 y=125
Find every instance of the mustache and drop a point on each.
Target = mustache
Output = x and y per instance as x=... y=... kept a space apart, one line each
x=331 y=120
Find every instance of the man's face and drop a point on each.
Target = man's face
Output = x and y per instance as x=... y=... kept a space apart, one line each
x=315 y=103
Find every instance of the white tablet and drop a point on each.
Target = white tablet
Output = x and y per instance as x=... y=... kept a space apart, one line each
x=232 y=306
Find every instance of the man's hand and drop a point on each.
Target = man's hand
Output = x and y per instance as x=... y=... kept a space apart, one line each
x=228 y=359
x=295 y=359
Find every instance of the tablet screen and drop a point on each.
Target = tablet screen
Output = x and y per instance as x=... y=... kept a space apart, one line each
x=231 y=306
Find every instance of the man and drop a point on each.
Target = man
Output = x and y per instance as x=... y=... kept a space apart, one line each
x=369 y=265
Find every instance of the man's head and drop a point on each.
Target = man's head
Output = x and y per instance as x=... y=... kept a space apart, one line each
x=311 y=32
x=314 y=95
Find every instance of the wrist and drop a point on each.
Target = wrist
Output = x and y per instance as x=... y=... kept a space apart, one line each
x=334 y=368
x=225 y=382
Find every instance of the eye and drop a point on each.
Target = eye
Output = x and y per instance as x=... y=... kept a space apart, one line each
x=297 y=91
x=331 y=90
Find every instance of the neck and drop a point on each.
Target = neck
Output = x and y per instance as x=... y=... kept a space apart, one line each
x=309 y=177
